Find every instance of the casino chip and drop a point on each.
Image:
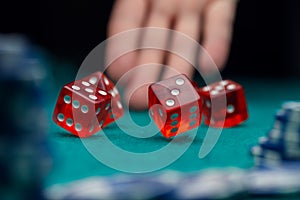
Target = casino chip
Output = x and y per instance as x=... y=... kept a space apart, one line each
x=277 y=156
x=118 y=187
x=282 y=143
x=24 y=154
x=225 y=183
x=212 y=184
x=271 y=181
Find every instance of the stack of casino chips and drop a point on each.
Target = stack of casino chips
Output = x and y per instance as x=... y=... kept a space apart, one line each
x=282 y=144
x=24 y=154
x=213 y=183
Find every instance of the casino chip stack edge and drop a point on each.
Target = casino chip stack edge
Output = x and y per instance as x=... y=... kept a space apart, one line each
x=24 y=154
x=224 y=183
x=282 y=143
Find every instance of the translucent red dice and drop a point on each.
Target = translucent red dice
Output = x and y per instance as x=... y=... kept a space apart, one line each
x=174 y=105
x=82 y=108
x=100 y=80
x=229 y=101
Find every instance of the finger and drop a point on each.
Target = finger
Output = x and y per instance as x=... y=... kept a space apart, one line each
x=126 y=15
x=218 y=23
x=160 y=17
x=184 y=44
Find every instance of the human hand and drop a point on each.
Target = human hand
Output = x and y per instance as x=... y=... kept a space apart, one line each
x=210 y=20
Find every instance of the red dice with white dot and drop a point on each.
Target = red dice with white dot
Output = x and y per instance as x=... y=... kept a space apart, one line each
x=100 y=80
x=174 y=105
x=82 y=108
x=229 y=101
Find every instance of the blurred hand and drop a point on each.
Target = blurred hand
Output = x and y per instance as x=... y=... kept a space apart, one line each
x=210 y=20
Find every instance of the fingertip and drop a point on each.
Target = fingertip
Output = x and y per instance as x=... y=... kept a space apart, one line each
x=126 y=15
x=214 y=58
x=123 y=37
x=218 y=24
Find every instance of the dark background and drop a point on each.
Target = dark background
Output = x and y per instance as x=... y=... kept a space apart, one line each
x=265 y=40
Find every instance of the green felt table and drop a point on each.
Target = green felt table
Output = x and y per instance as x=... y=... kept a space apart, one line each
x=73 y=161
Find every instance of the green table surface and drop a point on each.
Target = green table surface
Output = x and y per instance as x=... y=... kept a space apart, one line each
x=72 y=161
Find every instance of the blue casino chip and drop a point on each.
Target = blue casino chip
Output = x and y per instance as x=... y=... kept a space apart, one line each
x=282 y=143
x=283 y=180
x=290 y=112
x=265 y=157
x=229 y=183
x=18 y=59
x=289 y=150
x=140 y=187
x=24 y=120
x=211 y=184
x=14 y=49
x=117 y=187
x=279 y=134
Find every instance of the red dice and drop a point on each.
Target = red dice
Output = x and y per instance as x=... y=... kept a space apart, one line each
x=174 y=105
x=82 y=108
x=100 y=80
x=226 y=114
